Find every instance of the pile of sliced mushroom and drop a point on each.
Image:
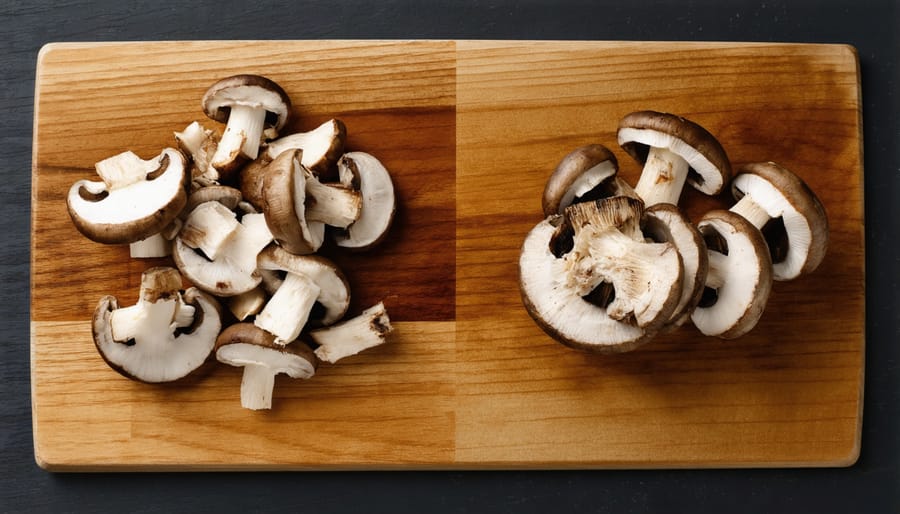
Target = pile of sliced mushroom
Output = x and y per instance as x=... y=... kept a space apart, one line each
x=241 y=211
x=611 y=266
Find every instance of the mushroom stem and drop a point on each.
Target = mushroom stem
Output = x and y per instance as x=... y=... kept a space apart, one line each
x=209 y=228
x=663 y=177
x=332 y=204
x=350 y=337
x=257 y=385
x=752 y=211
x=715 y=277
x=287 y=312
x=242 y=135
x=151 y=247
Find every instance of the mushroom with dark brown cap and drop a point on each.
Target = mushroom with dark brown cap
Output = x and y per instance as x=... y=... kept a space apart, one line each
x=136 y=198
x=310 y=281
x=590 y=281
x=350 y=337
x=586 y=173
x=789 y=214
x=673 y=150
x=321 y=147
x=248 y=346
x=739 y=279
x=248 y=104
x=284 y=205
x=364 y=172
x=163 y=337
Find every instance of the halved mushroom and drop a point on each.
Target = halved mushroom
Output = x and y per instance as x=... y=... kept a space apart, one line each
x=284 y=205
x=354 y=335
x=248 y=104
x=787 y=212
x=135 y=200
x=314 y=291
x=590 y=281
x=365 y=173
x=584 y=174
x=321 y=147
x=248 y=346
x=739 y=279
x=163 y=337
x=673 y=150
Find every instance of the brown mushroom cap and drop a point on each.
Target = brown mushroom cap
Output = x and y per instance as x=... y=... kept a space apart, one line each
x=710 y=169
x=586 y=173
x=321 y=147
x=247 y=90
x=283 y=199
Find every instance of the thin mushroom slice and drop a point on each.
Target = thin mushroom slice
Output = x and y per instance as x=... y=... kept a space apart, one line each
x=787 y=212
x=350 y=337
x=739 y=279
x=364 y=172
x=584 y=174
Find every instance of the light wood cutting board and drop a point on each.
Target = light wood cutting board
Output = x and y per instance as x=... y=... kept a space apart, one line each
x=471 y=131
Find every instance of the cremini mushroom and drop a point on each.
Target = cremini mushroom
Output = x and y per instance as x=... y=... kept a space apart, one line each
x=284 y=205
x=673 y=150
x=364 y=172
x=248 y=346
x=163 y=337
x=350 y=337
x=136 y=199
x=787 y=212
x=200 y=144
x=321 y=147
x=586 y=173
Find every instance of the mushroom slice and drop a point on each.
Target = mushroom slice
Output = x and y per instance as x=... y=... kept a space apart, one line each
x=157 y=245
x=321 y=146
x=248 y=104
x=284 y=205
x=673 y=150
x=789 y=214
x=354 y=335
x=200 y=144
x=225 y=195
x=567 y=260
x=584 y=174
x=248 y=346
x=247 y=304
x=367 y=174
x=667 y=223
x=163 y=337
x=231 y=270
x=314 y=291
x=739 y=279
x=135 y=200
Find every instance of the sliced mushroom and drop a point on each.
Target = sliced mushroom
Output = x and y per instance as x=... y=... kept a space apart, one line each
x=247 y=304
x=739 y=279
x=584 y=174
x=157 y=245
x=225 y=195
x=284 y=205
x=321 y=147
x=200 y=144
x=365 y=173
x=673 y=150
x=597 y=250
x=163 y=337
x=314 y=291
x=789 y=214
x=135 y=200
x=248 y=104
x=354 y=335
x=254 y=349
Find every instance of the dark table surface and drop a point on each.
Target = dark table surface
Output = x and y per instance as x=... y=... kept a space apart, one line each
x=871 y=485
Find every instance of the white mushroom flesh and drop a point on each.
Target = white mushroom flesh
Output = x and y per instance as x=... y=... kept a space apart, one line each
x=209 y=227
x=662 y=178
x=260 y=367
x=377 y=199
x=352 y=336
x=315 y=144
x=587 y=181
x=332 y=204
x=712 y=179
x=287 y=311
x=151 y=247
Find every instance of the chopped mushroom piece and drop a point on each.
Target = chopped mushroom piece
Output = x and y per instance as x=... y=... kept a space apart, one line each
x=739 y=279
x=362 y=171
x=321 y=147
x=248 y=104
x=247 y=304
x=135 y=200
x=673 y=150
x=354 y=335
x=163 y=337
x=586 y=173
x=200 y=143
x=157 y=245
x=789 y=214
x=248 y=346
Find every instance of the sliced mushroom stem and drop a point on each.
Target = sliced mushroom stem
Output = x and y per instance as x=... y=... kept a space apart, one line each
x=352 y=336
x=210 y=226
x=332 y=204
x=718 y=269
x=124 y=169
x=751 y=211
x=247 y=304
x=662 y=178
x=242 y=136
x=257 y=385
x=287 y=312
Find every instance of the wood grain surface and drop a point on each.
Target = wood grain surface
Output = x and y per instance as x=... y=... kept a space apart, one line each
x=471 y=131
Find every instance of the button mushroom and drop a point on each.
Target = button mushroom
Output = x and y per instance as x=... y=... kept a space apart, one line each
x=354 y=335
x=672 y=150
x=789 y=214
x=321 y=147
x=164 y=336
x=248 y=346
x=365 y=173
x=591 y=282
x=584 y=174
x=739 y=279
x=136 y=199
x=248 y=104
x=284 y=205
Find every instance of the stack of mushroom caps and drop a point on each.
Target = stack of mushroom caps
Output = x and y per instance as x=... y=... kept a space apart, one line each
x=242 y=214
x=612 y=266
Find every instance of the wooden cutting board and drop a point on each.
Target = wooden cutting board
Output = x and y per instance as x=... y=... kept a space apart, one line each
x=471 y=131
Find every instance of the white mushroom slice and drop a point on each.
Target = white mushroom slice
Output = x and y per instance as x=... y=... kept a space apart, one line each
x=673 y=151
x=286 y=312
x=209 y=227
x=136 y=199
x=321 y=146
x=200 y=143
x=247 y=304
x=157 y=245
x=254 y=349
x=787 y=212
x=364 y=172
x=739 y=279
x=162 y=338
x=354 y=335
x=584 y=174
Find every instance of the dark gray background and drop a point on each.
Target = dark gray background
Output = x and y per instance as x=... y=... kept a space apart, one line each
x=872 y=485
